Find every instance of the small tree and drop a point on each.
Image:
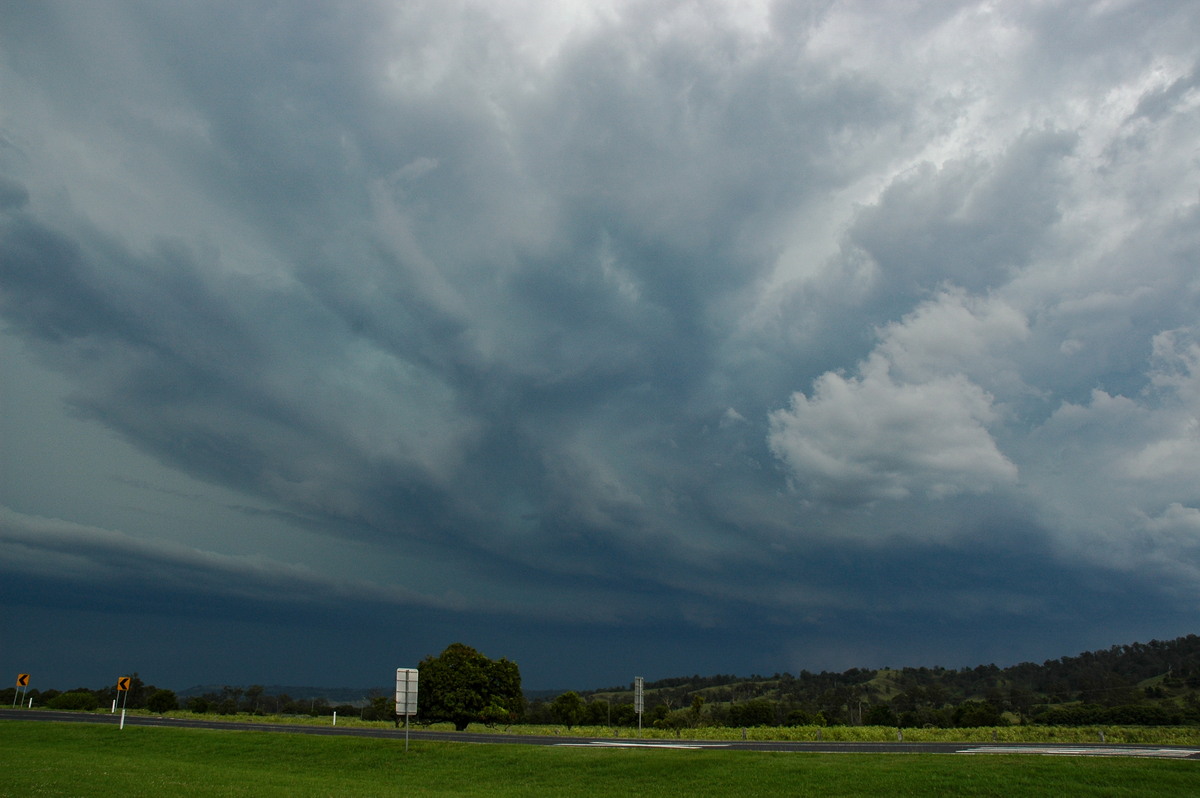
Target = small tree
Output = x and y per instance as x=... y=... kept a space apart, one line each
x=137 y=692
x=161 y=701
x=758 y=712
x=382 y=707
x=231 y=698
x=495 y=715
x=568 y=708
x=880 y=715
x=253 y=695
x=597 y=713
x=676 y=720
x=973 y=714
x=624 y=715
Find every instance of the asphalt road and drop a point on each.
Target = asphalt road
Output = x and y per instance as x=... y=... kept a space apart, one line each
x=1052 y=749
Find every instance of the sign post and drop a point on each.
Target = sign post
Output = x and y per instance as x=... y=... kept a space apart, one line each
x=406 y=697
x=639 y=700
x=23 y=683
x=123 y=687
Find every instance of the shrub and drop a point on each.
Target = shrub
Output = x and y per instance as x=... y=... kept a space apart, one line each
x=1094 y=715
x=880 y=715
x=74 y=700
x=975 y=714
x=758 y=712
x=381 y=708
x=799 y=717
x=162 y=701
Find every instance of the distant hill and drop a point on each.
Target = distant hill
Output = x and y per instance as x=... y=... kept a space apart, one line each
x=355 y=696
x=1155 y=682
x=1084 y=676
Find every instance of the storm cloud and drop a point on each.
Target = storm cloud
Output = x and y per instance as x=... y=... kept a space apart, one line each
x=636 y=336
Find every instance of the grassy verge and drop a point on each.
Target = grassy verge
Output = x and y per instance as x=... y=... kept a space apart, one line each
x=61 y=759
x=1119 y=735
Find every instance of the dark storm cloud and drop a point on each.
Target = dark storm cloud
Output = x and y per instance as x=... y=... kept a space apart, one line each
x=697 y=316
x=92 y=566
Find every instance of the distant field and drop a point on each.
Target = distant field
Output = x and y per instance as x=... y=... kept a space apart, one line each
x=68 y=759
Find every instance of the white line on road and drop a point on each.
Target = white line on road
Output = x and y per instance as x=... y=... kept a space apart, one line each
x=1168 y=753
x=608 y=744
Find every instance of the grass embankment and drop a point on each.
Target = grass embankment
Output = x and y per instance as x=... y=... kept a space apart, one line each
x=61 y=759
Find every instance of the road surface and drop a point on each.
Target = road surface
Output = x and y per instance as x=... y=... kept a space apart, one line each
x=1051 y=749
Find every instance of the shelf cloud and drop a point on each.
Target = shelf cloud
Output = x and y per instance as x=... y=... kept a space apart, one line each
x=634 y=336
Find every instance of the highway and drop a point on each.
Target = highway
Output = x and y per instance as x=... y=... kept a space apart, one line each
x=1050 y=749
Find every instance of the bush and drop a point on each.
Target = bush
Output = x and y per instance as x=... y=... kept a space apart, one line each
x=74 y=700
x=758 y=712
x=976 y=714
x=799 y=717
x=880 y=715
x=162 y=701
x=1095 y=715
x=381 y=708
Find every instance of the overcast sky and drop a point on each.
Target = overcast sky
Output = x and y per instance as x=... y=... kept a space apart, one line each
x=616 y=338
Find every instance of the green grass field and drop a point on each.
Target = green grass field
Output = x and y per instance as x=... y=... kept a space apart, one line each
x=75 y=759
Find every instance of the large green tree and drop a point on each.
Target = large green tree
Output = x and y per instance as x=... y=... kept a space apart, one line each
x=462 y=686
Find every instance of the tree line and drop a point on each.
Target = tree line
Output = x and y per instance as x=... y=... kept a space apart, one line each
x=1155 y=683
x=139 y=696
x=228 y=700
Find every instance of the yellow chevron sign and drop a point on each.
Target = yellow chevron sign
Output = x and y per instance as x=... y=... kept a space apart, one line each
x=22 y=680
x=123 y=683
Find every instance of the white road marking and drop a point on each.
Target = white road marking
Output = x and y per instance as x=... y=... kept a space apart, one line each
x=612 y=744
x=1167 y=753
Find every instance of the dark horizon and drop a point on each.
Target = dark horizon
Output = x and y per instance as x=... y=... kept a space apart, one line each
x=297 y=691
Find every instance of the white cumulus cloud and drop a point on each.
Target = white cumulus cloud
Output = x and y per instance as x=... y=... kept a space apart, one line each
x=870 y=437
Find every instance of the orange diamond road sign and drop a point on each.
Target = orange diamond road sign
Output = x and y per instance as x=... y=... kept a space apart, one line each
x=123 y=683
x=22 y=680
